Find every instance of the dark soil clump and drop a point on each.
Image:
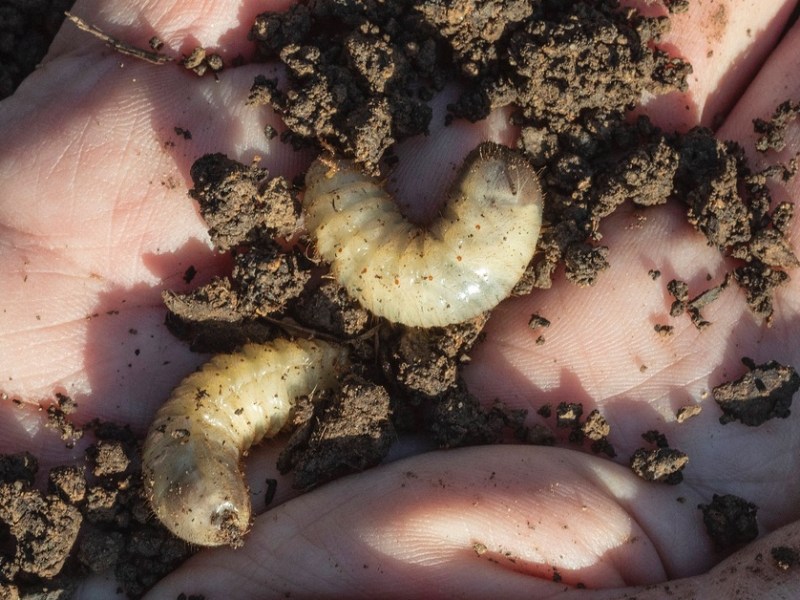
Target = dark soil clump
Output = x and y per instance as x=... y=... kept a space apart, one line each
x=730 y=521
x=765 y=392
x=91 y=519
x=26 y=30
x=785 y=558
x=349 y=431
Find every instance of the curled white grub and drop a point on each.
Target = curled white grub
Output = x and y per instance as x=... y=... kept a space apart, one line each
x=192 y=453
x=463 y=263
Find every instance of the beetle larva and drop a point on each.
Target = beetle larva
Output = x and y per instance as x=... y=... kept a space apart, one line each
x=462 y=264
x=192 y=453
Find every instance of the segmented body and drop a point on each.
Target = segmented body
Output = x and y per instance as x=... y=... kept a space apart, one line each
x=460 y=265
x=192 y=453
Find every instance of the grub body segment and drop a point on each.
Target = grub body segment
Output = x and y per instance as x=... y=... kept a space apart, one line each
x=462 y=264
x=193 y=451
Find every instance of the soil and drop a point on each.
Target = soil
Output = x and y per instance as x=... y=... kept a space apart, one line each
x=360 y=78
x=90 y=518
x=730 y=521
x=26 y=29
x=763 y=393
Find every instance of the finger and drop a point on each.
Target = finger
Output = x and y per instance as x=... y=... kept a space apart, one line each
x=774 y=84
x=725 y=42
x=756 y=571
x=505 y=519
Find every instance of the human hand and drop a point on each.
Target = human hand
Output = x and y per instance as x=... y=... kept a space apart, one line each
x=97 y=222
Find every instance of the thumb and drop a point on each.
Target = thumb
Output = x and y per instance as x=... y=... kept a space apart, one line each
x=499 y=521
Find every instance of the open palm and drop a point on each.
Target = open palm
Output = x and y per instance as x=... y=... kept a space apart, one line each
x=96 y=222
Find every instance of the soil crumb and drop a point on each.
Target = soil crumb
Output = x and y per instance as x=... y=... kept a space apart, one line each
x=730 y=521
x=91 y=518
x=765 y=392
x=773 y=131
x=58 y=415
x=457 y=419
x=349 y=431
x=569 y=417
x=687 y=412
x=663 y=465
x=39 y=529
x=785 y=558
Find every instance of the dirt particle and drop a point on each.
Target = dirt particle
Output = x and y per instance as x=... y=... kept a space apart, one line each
x=773 y=132
x=456 y=418
x=595 y=427
x=41 y=530
x=763 y=393
x=568 y=415
x=759 y=282
x=655 y=437
x=329 y=308
x=537 y=321
x=539 y=435
x=584 y=263
x=682 y=303
x=109 y=457
x=58 y=419
x=426 y=361
x=199 y=61
x=663 y=465
x=664 y=330
x=730 y=521
x=785 y=558
x=687 y=412
x=351 y=430
x=68 y=483
x=680 y=291
x=270 y=132
x=100 y=551
x=184 y=133
x=189 y=274
x=18 y=467
x=242 y=203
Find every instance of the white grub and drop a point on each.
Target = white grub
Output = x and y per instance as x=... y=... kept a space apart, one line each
x=192 y=453
x=463 y=263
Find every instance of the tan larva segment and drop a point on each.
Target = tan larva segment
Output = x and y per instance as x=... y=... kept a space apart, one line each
x=462 y=264
x=192 y=453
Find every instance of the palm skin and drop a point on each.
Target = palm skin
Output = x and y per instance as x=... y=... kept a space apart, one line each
x=96 y=222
